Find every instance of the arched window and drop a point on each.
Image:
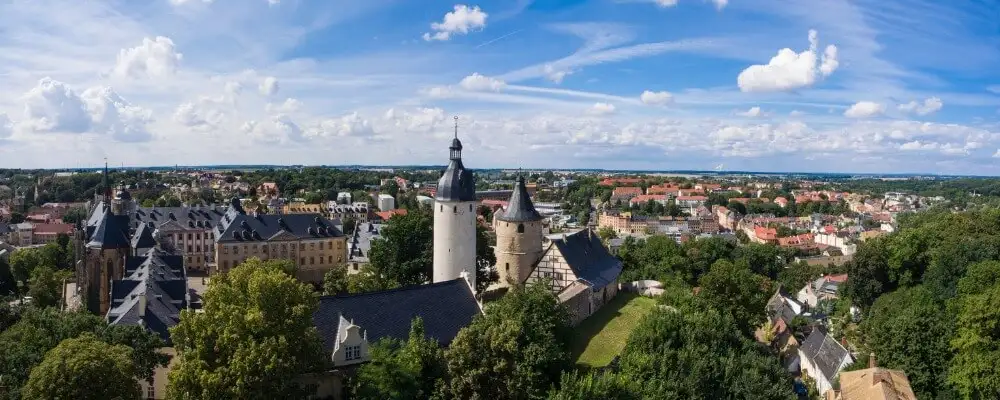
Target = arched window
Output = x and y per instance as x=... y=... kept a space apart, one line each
x=520 y=228
x=507 y=267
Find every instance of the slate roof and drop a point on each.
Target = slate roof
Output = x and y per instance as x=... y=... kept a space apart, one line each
x=520 y=208
x=186 y=217
x=588 y=258
x=444 y=307
x=457 y=182
x=823 y=351
x=4 y=229
x=360 y=242
x=778 y=307
x=237 y=226
x=143 y=237
x=110 y=232
x=160 y=279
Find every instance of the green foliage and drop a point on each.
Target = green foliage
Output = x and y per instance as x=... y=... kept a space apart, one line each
x=8 y=286
x=16 y=217
x=40 y=330
x=45 y=288
x=516 y=350
x=609 y=386
x=335 y=281
x=732 y=288
x=974 y=370
x=659 y=257
x=909 y=330
x=74 y=215
x=405 y=252
x=254 y=338
x=415 y=369
x=607 y=233
x=84 y=368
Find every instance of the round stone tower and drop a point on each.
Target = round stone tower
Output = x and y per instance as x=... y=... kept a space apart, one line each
x=455 y=220
x=519 y=237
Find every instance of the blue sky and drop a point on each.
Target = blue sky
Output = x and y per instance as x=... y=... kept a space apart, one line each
x=771 y=85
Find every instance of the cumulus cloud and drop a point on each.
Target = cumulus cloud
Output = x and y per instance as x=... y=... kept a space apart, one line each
x=929 y=106
x=864 y=109
x=52 y=106
x=458 y=22
x=350 y=125
x=153 y=58
x=753 y=112
x=290 y=105
x=111 y=114
x=268 y=86
x=278 y=129
x=480 y=83
x=601 y=109
x=233 y=88
x=789 y=70
x=205 y=114
x=656 y=98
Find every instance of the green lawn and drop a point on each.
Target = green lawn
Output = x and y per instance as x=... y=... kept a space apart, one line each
x=599 y=338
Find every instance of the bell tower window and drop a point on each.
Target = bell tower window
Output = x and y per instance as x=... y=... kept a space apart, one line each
x=520 y=228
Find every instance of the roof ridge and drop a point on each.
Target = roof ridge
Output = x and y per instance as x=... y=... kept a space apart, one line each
x=399 y=289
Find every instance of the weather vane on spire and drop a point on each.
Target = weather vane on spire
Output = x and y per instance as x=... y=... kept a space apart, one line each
x=456 y=127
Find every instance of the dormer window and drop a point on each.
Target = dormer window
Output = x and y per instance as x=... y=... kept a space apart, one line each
x=352 y=353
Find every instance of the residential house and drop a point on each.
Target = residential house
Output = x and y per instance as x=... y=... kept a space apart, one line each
x=357 y=211
x=580 y=270
x=781 y=310
x=823 y=288
x=643 y=199
x=822 y=358
x=48 y=232
x=873 y=383
x=763 y=234
x=688 y=201
x=625 y=193
x=359 y=244
x=781 y=202
x=383 y=216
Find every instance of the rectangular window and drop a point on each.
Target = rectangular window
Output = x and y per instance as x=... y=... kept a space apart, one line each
x=352 y=353
x=302 y=247
x=312 y=246
x=225 y=250
x=302 y=261
x=150 y=391
x=236 y=250
x=190 y=236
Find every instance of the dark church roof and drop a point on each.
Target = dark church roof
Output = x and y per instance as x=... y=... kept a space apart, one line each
x=457 y=182
x=158 y=278
x=110 y=232
x=520 y=208
x=588 y=258
x=143 y=237
x=237 y=226
x=444 y=307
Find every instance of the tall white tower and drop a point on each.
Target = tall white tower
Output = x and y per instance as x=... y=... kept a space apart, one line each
x=455 y=220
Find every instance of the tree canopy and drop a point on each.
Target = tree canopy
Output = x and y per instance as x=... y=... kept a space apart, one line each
x=253 y=340
x=414 y=369
x=84 y=368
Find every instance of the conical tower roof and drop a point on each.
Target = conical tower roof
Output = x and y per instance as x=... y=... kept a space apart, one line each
x=520 y=208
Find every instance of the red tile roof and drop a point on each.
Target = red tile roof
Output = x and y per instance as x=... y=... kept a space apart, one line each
x=764 y=233
x=691 y=198
x=643 y=198
x=627 y=190
x=385 y=215
x=54 y=228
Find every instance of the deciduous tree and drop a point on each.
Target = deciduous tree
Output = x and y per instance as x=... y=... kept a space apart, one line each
x=253 y=340
x=84 y=368
x=414 y=369
x=732 y=288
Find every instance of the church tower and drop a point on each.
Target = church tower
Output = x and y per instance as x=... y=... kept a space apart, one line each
x=455 y=220
x=105 y=244
x=519 y=237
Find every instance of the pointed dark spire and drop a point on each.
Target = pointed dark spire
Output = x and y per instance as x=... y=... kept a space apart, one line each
x=520 y=208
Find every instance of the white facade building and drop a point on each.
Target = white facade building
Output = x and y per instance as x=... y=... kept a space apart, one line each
x=386 y=202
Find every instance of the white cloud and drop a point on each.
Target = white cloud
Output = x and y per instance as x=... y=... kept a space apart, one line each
x=233 y=88
x=268 y=86
x=864 y=109
x=656 y=98
x=52 y=106
x=352 y=124
x=916 y=145
x=6 y=126
x=480 y=83
x=796 y=113
x=289 y=106
x=929 y=106
x=205 y=114
x=273 y=2
x=719 y=4
x=458 y=22
x=153 y=58
x=753 y=112
x=789 y=70
x=601 y=109
x=554 y=75
x=997 y=154
x=666 y=3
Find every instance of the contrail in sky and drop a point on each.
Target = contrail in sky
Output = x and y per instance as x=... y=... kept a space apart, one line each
x=501 y=37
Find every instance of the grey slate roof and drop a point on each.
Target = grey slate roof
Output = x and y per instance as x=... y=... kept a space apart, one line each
x=159 y=278
x=520 y=208
x=588 y=258
x=360 y=241
x=824 y=352
x=457 y=182
x=4 y=229
x=110 y=232
x=143 y=237
x=187 y=217
x=237 y=226
x=444 y=307
x=778 y=307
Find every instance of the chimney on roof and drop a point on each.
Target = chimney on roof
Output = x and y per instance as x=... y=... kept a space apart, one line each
x=142 y=305
x=872 y=362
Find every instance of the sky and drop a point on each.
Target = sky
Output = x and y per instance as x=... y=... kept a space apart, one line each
x=875 y=86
